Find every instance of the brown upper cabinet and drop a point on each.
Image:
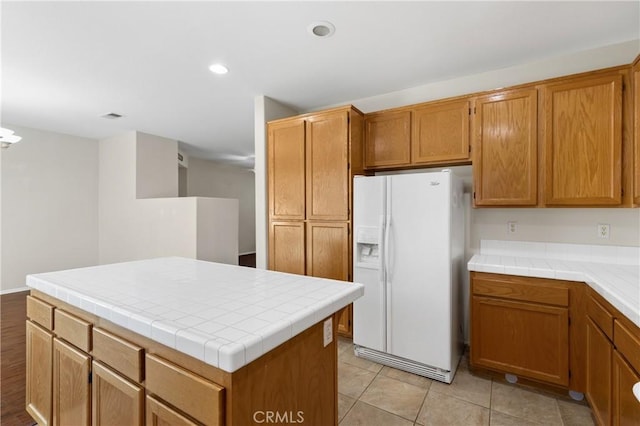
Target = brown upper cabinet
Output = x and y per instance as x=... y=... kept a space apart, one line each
x=440 y=132
x=286 y=158
x=505 y=148
x=387 y=139
x=583 y=141
x=328 y=166
x=566 y=141
x=636 y=131
x=310 y=162
x=433 y=133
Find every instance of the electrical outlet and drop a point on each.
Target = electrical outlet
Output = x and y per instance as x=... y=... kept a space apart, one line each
x=512 y=227
x=328 y=331
x=603 y=230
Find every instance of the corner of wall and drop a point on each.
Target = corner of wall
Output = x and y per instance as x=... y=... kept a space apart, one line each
x=265 y=109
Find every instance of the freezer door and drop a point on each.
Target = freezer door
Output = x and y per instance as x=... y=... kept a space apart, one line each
x=419 y=274
x=368 y=224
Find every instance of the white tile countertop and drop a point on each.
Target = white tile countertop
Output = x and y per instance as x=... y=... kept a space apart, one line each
x=224 y=315
x=612 y=271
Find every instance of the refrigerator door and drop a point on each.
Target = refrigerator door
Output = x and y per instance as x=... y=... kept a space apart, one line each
x=369 y=222
x=419 y=274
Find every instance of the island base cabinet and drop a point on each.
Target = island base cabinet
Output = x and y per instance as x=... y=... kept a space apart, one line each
x=192 y=394
x=599 y=353
x=159 y=414
x=71 y=385
x=39 y=373
x=626 y=408
x=116 y=401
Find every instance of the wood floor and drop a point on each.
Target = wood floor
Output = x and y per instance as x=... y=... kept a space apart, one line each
x=13 y=313
x=247 y=260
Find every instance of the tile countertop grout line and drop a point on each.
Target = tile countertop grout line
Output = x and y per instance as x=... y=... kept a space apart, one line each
x=230 y=355
x=596 y=274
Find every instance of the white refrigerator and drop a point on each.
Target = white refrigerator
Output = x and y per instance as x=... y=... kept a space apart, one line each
x=408 y=253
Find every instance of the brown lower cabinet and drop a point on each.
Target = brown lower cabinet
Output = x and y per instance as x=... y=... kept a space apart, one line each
x=599 y=359
x=39 y=373
x=116 y=401
x=316 y=248
x=159 y=414
x=626 y=408
x=613 y=364
x=520 y=326
x=118 y=377
x=71 y=385
x=560 y=334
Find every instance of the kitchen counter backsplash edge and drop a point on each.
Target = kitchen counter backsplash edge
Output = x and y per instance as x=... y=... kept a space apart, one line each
x=612 y=271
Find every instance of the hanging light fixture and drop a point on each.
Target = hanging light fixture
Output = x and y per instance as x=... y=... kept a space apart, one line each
x=7 y=137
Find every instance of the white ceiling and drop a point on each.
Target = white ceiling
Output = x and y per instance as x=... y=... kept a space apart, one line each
x=66 y=63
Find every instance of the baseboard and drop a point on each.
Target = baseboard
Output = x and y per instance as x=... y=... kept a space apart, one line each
x=14 y=290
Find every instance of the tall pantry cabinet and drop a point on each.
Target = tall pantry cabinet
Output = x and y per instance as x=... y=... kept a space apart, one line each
x=311 y=161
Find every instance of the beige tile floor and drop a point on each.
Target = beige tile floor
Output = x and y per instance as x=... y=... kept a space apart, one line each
x=371 y=394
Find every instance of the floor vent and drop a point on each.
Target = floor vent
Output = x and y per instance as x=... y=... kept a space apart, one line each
x=403 y=364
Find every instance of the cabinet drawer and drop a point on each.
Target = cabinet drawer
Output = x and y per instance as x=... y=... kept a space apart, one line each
x=196 y=396
x=73 y=330
x=526 y=292
x=40 y=312
x=627 y=344
x=159 y=414
x=600 y=316
x=123 y=356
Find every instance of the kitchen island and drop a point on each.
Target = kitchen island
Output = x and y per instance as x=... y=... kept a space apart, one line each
x=184 y=342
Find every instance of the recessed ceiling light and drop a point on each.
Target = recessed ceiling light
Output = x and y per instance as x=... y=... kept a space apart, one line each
x=321 y=29
x=218 y=69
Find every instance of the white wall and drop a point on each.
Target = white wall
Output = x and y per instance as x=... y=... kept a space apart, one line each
x=131 y=228
x=217 y=230
x=593 y=59
x=265 y=109
x=206 y=178
x=156 y=166
x=49 y=218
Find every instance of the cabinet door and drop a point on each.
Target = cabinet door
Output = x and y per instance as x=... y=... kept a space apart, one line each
x=599 y=358
x=71 y=385
x=636 y=132
x=626 y=408
x=328 y=166
x=344 y=321
x=387 y=139
x=39 y=373
x=116 y=401
x=525 y=339
x=328 y=250
x=440 y=133
x=328 y=257
x=159 y=414
x=287 y=247
x=583 y=141
x=505 y=149
x=285 y=168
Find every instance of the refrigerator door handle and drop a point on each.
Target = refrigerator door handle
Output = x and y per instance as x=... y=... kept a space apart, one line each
x=388 y=275
x=381 y=271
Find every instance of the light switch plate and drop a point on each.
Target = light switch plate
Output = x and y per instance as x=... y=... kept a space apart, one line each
x=328 y=331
